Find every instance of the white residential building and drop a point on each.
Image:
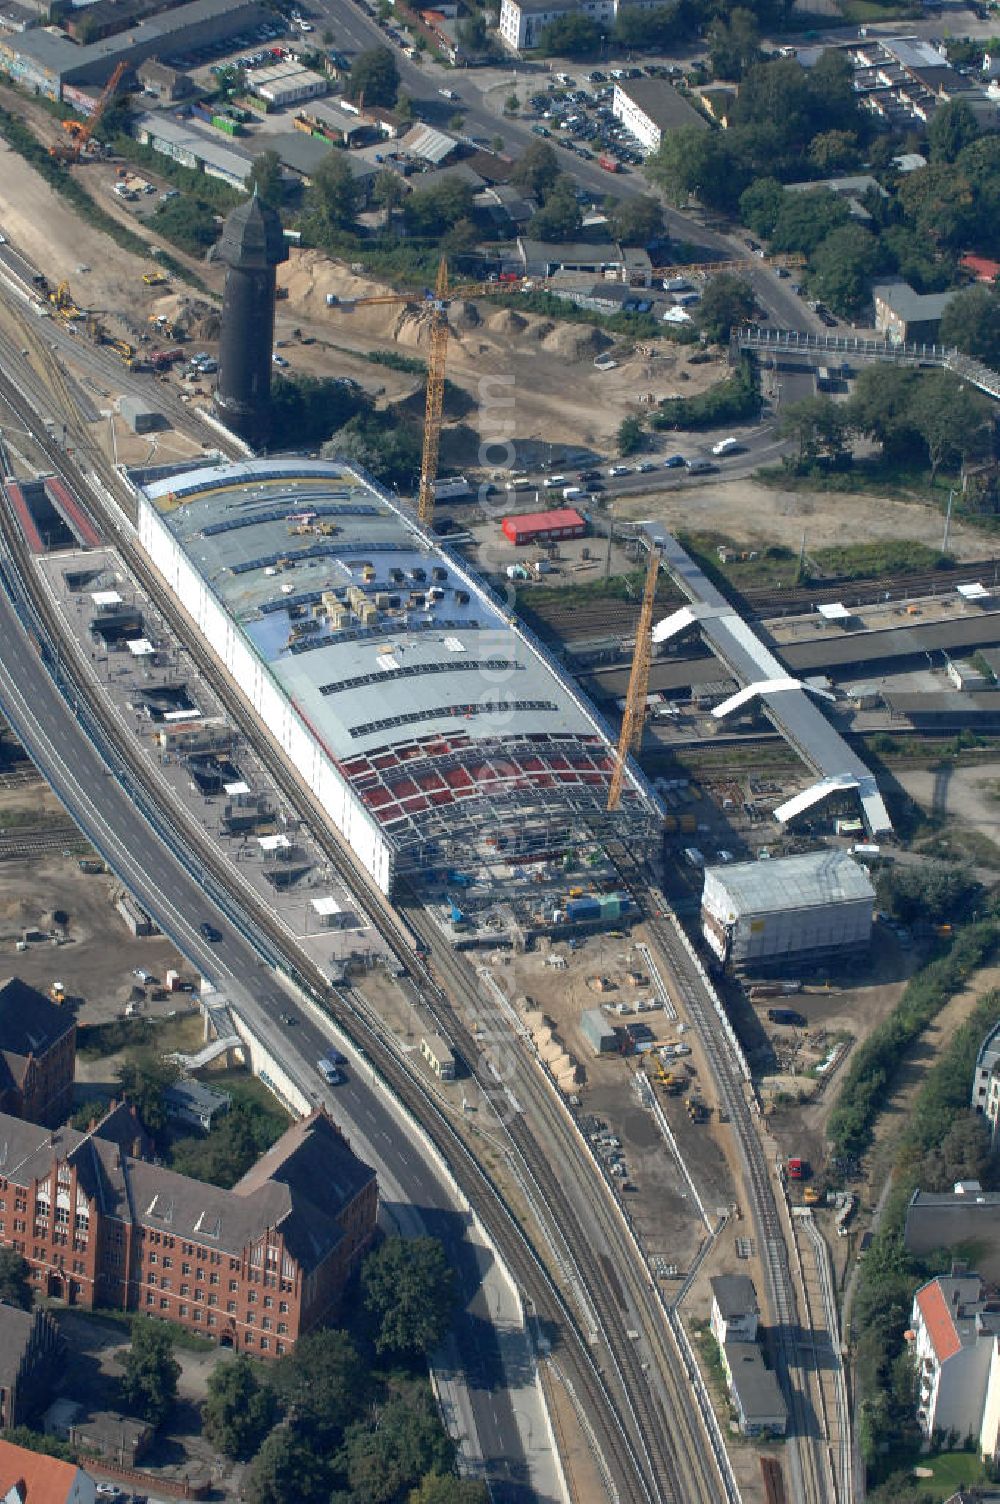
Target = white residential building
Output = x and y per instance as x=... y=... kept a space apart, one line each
x=986 y=1081
x=649 y=106
x=953 y=1339
x=523 y=21
x=735 y=1311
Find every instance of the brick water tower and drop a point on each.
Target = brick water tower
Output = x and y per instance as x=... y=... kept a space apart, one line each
x=252 y=245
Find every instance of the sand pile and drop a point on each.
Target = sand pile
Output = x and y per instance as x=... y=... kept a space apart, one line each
x=575 y=341
x=506 y=321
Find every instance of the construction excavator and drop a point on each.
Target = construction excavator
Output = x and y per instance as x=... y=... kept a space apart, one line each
x=81 y=132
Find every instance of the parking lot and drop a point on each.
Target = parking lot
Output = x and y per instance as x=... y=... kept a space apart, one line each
x=581 y=120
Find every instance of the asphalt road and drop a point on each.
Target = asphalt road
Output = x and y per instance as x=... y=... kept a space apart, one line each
x=109 y=811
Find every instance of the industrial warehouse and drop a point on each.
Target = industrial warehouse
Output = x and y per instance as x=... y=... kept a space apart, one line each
x=365 y=649
x=797 y=909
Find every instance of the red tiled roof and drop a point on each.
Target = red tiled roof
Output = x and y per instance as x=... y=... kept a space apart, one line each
x=46 y=1480
x=939 y=1321
x=982 y=267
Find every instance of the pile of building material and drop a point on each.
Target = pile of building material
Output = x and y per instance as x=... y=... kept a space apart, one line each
x=552 y=1052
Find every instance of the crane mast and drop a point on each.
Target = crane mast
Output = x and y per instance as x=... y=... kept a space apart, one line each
x=434 y=405
x=638 y=685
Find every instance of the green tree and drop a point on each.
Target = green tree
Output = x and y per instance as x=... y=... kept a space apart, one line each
x=410 y=1289
x=15 y=1287
x=833 y=104
x=512 y=104
x=446 y=1488
x=238 y=1411
x=842 y=267
x=374 y=78
x=733 y=44
x=430 y=212
x=950 y=417
x=142 y=1082
x=701 y=162
x=963 y=1154
x=654 y=29
x=971 y=321
x=953 y=127
x=188 y=222
x=636 y=221
x=834 y=151
x=818 y=426
x=727 y=300
x=406 y=1443
x=149 y=1380
x=805 y=219
x=940 y=203
x=91 y=1111
x=760 y=206
x=572 y=35
x=777 y=94
x=537 y=172
x=332 y=197
x=265 y=179
x=382 y=443
x=287 y=1468
x=630 y=436
x=322 y=1384
x=473 y=32
x=388 y=191
x=560 y=217
x=880 y=404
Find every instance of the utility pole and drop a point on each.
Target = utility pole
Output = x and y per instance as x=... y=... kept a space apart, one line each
x=947 y=521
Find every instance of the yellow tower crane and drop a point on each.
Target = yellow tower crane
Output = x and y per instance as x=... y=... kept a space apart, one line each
x=634 y=715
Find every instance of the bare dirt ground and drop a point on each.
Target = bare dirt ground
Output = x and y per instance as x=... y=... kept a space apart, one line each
x=750 y=513
x=557 y=395
x=966 y=795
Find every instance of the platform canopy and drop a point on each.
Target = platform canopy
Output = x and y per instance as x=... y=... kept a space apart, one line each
x=834 y=611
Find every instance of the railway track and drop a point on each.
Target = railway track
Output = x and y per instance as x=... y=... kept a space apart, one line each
x=811 y=1480
x=29 y=843
x=611 y=618
x=644 y=1476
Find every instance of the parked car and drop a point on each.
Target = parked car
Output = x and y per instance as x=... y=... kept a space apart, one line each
x=209 y=932
x=674 y=462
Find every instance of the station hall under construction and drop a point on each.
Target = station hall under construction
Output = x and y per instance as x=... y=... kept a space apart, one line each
x=435 y=731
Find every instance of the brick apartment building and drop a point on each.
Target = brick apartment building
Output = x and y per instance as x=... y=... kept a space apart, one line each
x=253 y=1267
x=37 y=1054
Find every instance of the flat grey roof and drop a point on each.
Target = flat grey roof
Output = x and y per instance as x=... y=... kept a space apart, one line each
x=454 y=662
x=760 y=1399
x=734 y=1294
x=793 y=882
x=661 y=103
x=59 y=54
x=793 y=711
x=910 y=305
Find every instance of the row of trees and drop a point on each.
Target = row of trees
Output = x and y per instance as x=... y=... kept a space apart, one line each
x=635 y=221
x=918 y=416
x=732 y=34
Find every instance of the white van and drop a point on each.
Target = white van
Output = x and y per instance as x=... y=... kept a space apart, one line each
x=570 y=491
x=329 y=1072
x=694 y=857
x=725 y=446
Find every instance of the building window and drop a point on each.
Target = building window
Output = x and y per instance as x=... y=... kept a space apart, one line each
x=185 y=1268
x=279 y=1348
x=268 y=1302
x=252 y=1296
x=151 y=1279
x=233 y=1287
x=282 y=1326
x=150 y=1298
x=183 y=1310
x=266 y=1323
x=164 y=1303
x=152 y=1258
x=199 y=1293
x=213 y=1300
x=264 y=1344
x=231 y=1307
x=283 y=1306
x=185 y=1289
x=212 y=1319
x=213 y=1279
x=168 y=1263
